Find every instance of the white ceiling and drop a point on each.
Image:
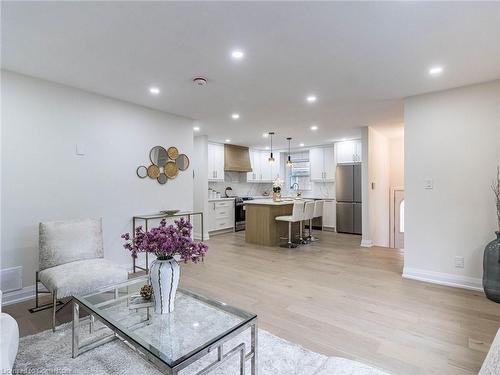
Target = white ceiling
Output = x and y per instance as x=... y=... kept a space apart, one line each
x=360 y=59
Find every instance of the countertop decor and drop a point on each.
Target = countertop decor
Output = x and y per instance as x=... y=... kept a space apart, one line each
x=166 y=242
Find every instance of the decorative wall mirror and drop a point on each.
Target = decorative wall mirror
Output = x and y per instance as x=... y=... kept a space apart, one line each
x=142 y=171
x=162 y=178
x=153 y=171
x=158 y=156
x=182 y=162
x=173 y=153
x=165 y=164
x=171 y=169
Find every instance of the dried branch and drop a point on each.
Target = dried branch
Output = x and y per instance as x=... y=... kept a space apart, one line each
x=496 y=190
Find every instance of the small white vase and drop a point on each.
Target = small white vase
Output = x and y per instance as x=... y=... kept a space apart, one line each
x=164 y=275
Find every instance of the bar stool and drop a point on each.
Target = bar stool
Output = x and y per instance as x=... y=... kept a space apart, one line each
x=296 y=216
x=308 y=216
x=318 y=212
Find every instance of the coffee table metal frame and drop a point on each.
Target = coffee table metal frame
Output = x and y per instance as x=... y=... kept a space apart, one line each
x=184 y=361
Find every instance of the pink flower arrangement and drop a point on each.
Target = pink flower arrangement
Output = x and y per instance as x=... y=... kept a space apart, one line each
x=166 y=241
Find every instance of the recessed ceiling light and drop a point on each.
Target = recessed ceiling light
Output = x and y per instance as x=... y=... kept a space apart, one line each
x=196 y=128
x=311 y=98
x=344 y=139
x=154 y=90
x=237 y=54
x=301 y=145
x=314 y=127
x=265 y=135
x=228 y=140
x=436 y=70
x=267 y=147
x=235 y=116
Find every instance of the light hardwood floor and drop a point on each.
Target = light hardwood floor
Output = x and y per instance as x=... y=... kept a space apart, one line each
x=339 y=299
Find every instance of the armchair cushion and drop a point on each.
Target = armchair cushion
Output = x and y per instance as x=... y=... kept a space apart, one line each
x=9 y=342
x=82 y=276
x=68 y=241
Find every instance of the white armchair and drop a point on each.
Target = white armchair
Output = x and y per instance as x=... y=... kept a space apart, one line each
x=72 y=260
x=9 y=341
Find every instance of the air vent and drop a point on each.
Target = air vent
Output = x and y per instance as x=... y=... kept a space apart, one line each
x=11 y=279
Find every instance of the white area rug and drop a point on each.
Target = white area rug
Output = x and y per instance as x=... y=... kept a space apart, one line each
x=50 y=353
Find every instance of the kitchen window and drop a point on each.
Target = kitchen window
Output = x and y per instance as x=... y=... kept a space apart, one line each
x=300 y=172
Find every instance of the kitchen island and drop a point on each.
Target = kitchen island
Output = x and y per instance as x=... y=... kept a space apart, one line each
x=261 y=228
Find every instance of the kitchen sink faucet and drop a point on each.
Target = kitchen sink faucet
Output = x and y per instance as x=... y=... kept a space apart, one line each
x=297 y=189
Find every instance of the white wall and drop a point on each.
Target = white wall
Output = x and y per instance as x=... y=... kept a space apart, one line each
x=378 y=189
x=453 y=138
x=396 y=162
x=200 y=169
x=366 y=237
x=43 y=179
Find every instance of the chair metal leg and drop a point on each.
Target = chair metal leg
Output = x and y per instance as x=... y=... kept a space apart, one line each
x=54 y=306
x=301 y=239
x=36 y=289
x=289 y=244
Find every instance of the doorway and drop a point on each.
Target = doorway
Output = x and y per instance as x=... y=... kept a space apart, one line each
x=397 y=218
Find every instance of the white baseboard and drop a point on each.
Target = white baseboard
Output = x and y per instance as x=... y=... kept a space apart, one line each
x=447 y=279
x=366 y=243
x=197 y=236
x=24 y=294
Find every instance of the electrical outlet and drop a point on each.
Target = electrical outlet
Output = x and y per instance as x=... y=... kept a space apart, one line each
x=459 y=262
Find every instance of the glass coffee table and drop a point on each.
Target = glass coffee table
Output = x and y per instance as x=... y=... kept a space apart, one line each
x=197 y=327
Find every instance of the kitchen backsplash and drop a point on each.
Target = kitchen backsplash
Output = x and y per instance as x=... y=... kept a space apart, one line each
x=237 y=181
x=242 y=188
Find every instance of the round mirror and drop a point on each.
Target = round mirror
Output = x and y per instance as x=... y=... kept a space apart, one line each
x=173 y=153
x=142 y=171
x=158 y=156
x=153 y=171
x=162 y=178
x=182 y=162
x=171 y=169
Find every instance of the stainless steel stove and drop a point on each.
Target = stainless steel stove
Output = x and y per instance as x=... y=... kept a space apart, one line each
x=239 y=214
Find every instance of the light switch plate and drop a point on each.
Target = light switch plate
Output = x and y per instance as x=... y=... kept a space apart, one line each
x=428 y=184
x=80 y=149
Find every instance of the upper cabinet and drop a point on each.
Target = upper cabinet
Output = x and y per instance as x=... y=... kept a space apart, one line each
x=322 y=161
x=215 y=162
x=262 y=170
x=349 y=152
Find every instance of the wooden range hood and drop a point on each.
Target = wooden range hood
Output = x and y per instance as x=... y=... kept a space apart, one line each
x=237 y=158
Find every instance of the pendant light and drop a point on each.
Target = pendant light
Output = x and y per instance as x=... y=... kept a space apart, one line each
x=289 y=161
x=271 y=158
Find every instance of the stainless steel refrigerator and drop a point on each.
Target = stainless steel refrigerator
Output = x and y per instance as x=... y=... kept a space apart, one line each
x=348 y=196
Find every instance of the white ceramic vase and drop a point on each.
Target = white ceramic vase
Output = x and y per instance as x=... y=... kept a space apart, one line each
x=165 y=275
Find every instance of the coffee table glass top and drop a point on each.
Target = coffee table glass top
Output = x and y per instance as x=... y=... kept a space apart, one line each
x=196 y=322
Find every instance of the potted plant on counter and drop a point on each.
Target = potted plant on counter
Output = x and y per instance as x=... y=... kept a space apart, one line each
x=491 y=260
x=166 y=242
x=277 y=185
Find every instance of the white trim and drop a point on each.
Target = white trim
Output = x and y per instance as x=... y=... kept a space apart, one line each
x=20 y=295
x=366 y=243
x=447 y=279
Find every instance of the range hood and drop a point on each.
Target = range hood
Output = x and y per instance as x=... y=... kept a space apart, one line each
x=237 y=159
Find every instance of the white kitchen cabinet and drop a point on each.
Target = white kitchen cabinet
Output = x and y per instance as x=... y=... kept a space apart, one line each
x=262 y=170
x=349 y=152
x=276 y=167
x=220 y=215
x=329 y=214
x=322 y=162
x=215 y=162
x=254 y=176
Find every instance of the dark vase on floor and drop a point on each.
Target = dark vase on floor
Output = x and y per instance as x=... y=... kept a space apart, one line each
x=491 y=269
